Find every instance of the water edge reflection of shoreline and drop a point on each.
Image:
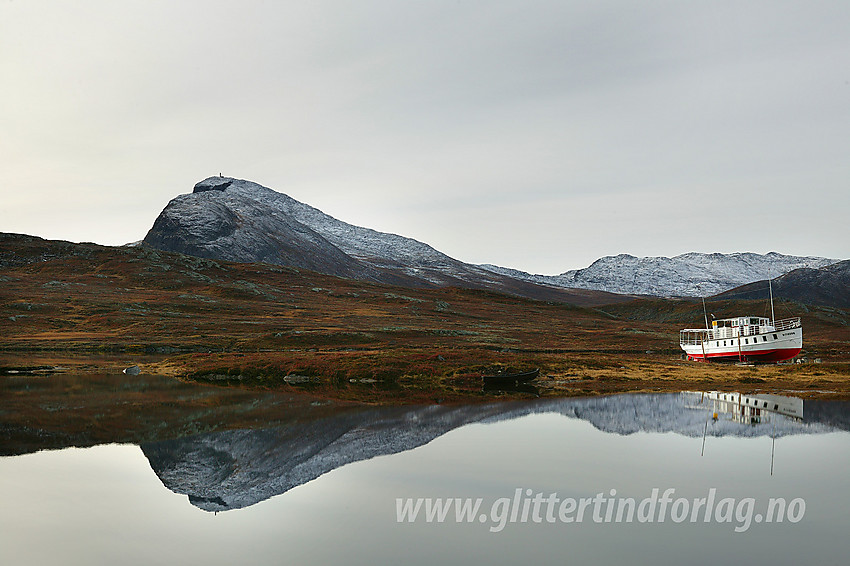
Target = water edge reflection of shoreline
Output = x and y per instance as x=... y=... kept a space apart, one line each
x=238 y=468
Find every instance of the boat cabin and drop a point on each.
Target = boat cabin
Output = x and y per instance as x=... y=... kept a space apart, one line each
x=726 y=328
x=740 y=326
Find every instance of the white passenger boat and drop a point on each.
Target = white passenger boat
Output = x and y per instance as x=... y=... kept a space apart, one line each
x=744 y=339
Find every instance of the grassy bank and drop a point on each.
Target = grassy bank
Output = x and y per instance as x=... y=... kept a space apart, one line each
x=404 y=376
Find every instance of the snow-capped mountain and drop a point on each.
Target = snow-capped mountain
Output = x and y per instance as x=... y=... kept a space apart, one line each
x=240 y=220
x=687 y=275
x=235 y=469
x=236 y=220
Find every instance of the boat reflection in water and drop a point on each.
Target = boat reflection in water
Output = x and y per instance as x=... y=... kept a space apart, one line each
x=513 y=387
x=749 y=408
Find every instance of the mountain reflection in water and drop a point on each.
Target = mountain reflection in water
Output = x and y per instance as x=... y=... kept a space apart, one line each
x=238 y=468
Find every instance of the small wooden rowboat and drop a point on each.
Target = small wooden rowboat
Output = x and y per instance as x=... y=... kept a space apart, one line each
x=519 y=377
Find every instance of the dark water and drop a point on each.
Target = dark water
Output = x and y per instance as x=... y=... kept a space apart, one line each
x=323 y=484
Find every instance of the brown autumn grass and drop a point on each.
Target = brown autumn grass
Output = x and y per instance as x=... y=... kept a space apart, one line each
x=253 y=325
x=404 y=376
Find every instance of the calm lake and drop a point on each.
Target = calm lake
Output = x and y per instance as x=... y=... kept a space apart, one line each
x=184 y=474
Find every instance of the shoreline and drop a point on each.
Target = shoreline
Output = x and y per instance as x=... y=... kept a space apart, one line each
x=406 y=376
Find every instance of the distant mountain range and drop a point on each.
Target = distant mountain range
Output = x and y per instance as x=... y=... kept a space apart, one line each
x=237 y=220
x=687 y=275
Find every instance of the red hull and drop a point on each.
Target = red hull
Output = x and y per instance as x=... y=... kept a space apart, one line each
x=779 y=355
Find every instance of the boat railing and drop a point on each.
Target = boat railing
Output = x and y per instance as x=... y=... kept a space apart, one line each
x=692 y=336
x=696 y=336
x=787 y=323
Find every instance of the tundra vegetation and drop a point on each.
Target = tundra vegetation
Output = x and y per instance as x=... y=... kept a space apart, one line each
x=264 y=326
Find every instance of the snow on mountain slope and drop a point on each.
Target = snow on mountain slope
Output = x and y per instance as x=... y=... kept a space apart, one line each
x=687 y=275
x=240 y=220
x=229 y=220
x=236 y=220
x=358 y=242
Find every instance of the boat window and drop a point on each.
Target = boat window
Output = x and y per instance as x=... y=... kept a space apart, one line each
x=764 y=338
x=776 y=407
x=775 y=337
x=746 y=340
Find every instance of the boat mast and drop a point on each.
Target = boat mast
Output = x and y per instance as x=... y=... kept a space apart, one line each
x=704 y=336
x=770 y=286
x=772 y=447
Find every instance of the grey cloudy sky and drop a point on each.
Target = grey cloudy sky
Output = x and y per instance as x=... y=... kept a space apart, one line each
x=534 y=135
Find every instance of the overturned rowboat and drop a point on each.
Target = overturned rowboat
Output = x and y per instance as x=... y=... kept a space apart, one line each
x=520 y=377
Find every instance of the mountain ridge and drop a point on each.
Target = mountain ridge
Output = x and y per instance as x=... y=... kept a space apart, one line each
x=691 y=274
x=237 y=220
x=826 y=286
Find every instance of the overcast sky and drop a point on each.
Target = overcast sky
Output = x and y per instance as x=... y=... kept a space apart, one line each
x=533 y=135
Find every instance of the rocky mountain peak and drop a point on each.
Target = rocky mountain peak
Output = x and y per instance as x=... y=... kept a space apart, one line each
x=213 y=184
x=237 y=220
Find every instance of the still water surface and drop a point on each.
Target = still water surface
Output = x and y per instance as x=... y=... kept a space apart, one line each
x=323 y=488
